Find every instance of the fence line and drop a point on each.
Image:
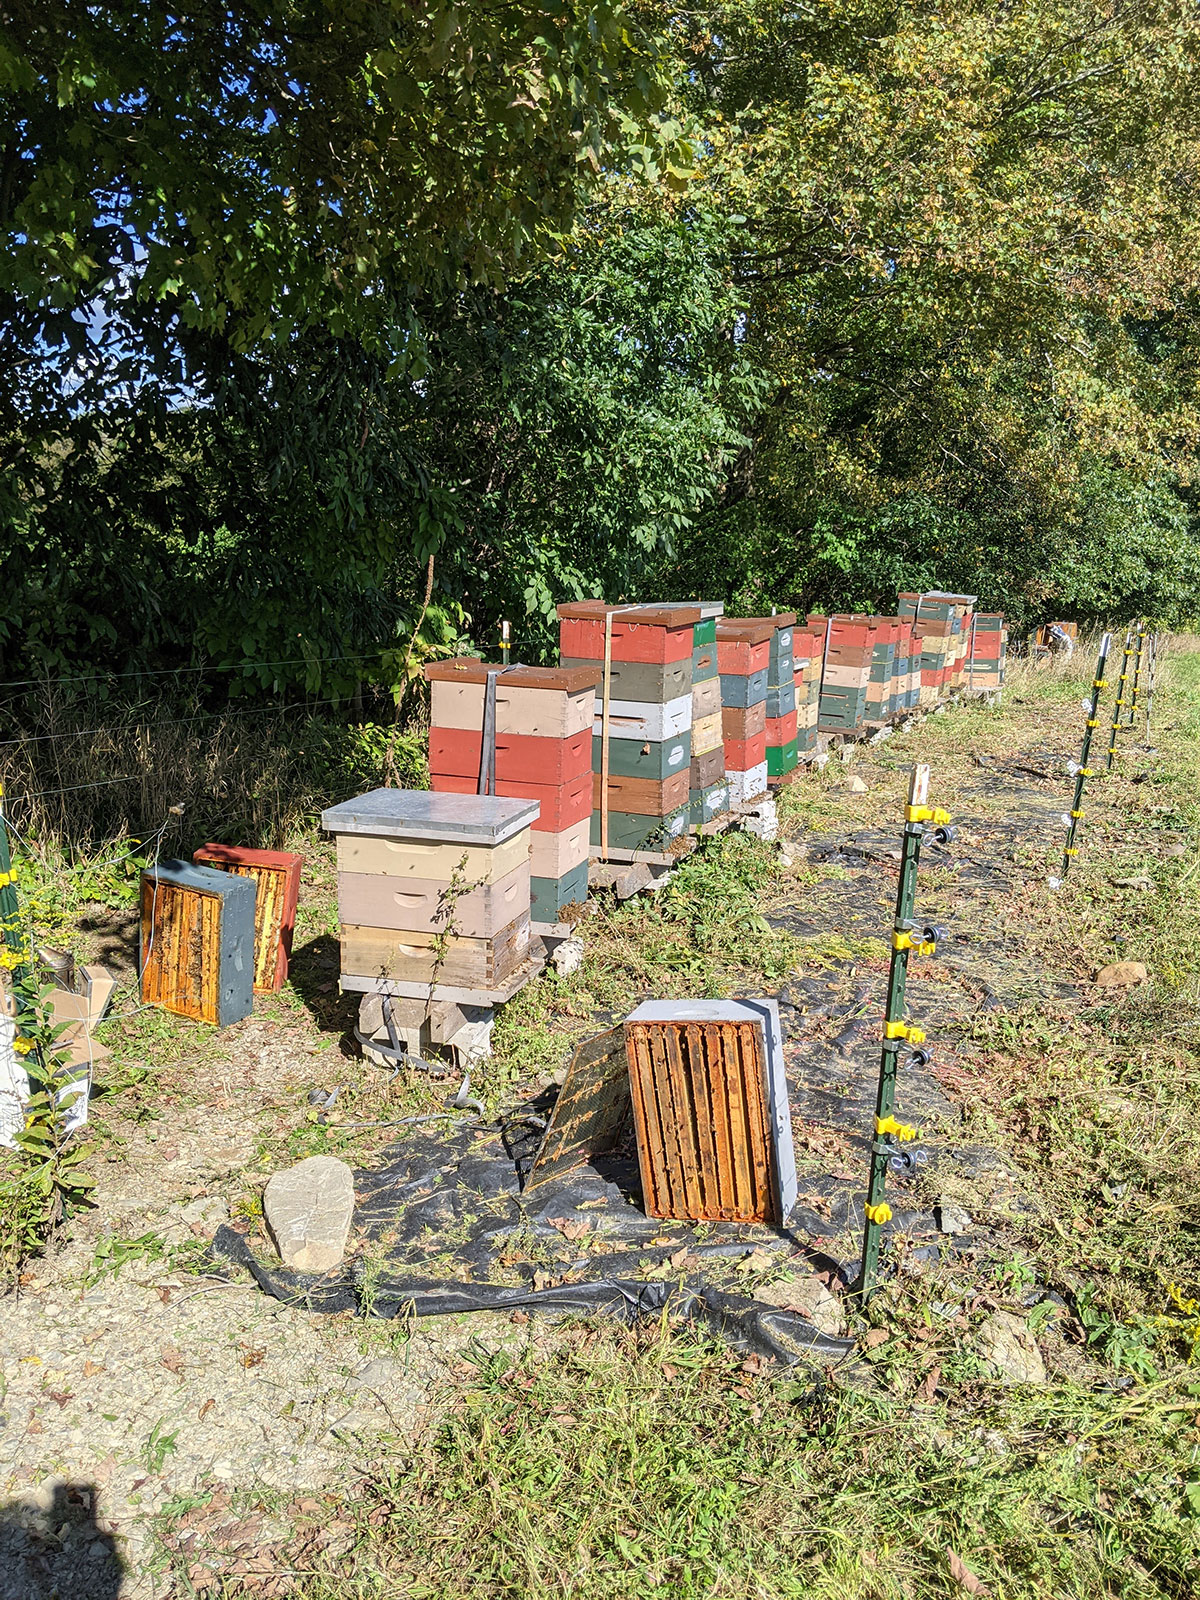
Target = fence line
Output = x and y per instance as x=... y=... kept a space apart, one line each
x=170 y=672
x=177 y=722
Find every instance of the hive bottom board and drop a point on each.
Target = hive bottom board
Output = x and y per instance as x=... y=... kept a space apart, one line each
x=418 y=957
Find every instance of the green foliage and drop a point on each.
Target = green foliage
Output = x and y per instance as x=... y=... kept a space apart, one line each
x=971 y=269
x=42 y=1180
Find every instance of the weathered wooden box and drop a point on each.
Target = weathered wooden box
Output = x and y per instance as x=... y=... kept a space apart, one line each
x=711 y=1110
x=276 y=876
x=197 y=942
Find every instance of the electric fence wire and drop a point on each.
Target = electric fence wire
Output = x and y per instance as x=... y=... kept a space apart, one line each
x=178 y=722
x=170 y=672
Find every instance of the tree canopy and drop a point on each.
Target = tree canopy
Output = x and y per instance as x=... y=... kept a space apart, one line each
x=784 y=304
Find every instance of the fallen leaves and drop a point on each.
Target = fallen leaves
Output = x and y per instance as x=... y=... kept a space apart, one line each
x=570 y=1230
x=964 y=1577
x=171 y=1357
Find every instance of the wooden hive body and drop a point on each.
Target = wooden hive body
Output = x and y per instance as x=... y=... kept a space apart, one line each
x=276 y=875
x=711 y=1112
x=197 y=952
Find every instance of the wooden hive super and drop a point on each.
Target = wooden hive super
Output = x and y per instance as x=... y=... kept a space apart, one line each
x=711 y=1110
x=197 y=942
x=276 y=875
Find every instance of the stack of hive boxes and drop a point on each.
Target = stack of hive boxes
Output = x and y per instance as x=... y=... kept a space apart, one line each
x=848 y=660
x=433 y=890
x=709 y=787
x=543 y=751
x=647 y=753
x=808 y=654
x=942 y=623
x=989 y=641
x=883 y=666
x=782 y=720
x=908 y=667
x=744 y=659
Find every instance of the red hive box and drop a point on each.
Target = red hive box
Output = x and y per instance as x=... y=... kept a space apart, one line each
x=639 y=633
x=276 y=875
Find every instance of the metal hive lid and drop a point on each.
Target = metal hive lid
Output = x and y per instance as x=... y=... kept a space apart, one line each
x=420 y=814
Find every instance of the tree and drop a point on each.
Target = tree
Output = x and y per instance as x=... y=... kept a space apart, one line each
x=958 y=222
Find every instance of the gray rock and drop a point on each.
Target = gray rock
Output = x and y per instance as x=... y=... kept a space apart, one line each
x=810 y=1298
x=951 y=1218
x=308 y=1210
x=1007 y=1344
x=209 y=1211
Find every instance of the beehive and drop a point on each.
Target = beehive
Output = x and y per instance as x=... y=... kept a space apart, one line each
x=641 y=750
x=711 y=1110
x=276 y=876
x=197 y=932
x=433 y=889
x=543 y=752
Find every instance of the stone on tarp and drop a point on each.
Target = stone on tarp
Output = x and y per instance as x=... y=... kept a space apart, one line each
x=1007 y=1344
x=308 y=1209
x=1121 y=975
x=809 y=1297
x=951 y=1218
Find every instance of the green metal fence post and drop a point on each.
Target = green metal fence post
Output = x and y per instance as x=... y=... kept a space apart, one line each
x=10 y=932
x=1082 y=770
x=919 y=818
x=1119 y=702
x=1137 y=673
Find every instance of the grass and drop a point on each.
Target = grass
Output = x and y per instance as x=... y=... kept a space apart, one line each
x=599 y=1462
x=608 y=1463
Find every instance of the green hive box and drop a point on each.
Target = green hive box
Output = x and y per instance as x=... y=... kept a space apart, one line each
x=629 y=831
x=782 y=758
x=655 y=759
